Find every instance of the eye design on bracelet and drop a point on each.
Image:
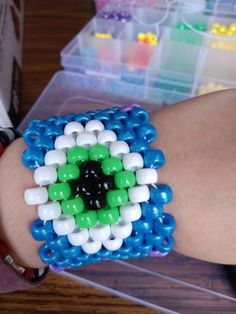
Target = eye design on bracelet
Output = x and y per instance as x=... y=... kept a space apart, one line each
x=96 y=187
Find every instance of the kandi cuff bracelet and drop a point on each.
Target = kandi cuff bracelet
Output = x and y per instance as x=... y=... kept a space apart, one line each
x=97 y=192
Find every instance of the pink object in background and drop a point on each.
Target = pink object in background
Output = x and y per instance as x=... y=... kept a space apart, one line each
x=100 y=4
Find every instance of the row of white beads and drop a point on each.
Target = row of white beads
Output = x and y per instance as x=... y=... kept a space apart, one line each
x=92 y=239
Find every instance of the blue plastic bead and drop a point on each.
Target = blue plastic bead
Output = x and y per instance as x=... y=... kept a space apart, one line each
x=143 y=226
x=52 y=120
x=115 y=255
x=54 y=130
x=145 y=248
x=70 y=116
x=102 y=116
x=154 y=158
x=152 y=211
x=32 y=157
x=121 y=115
x=133 y=123
x=90 y=114
x=34 y=123
x=165 y=225
x=140 y=113
x=82 y=118
x=95 y=258
x=57 y=242
x=114 y=125
x=126 y=135
x=63 y=262
x=31 y=137
x=125 y=250
x=139 y=145
x=147 y=132
x=153 y=239
x=166 y=245
x=71 y=251
x=47 y=255
x=110 y=111
x=134 y=240
x=124 y=256
x=41 y=231
x=103 y=253
x=161 y=194
x=135 y=254
x=76 y=263
x=62 y=121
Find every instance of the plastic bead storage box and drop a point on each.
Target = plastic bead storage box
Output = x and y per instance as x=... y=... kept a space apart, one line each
x=159 y=53
x=174 y=284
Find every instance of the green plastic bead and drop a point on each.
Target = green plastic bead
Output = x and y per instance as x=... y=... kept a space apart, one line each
x=72 y=207
x=68 y=172
x=124 y=179
x=201 y=27
x=108 y=215
x=98 y=152
x=111 y=165
x=86 y=219
x=117 y=198
x=59 y=191
x=182 y=26
x=77 y=155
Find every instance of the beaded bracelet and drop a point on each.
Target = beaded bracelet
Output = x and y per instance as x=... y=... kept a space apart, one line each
x=97 y=195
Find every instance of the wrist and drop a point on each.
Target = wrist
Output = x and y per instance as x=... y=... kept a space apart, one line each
x=15 y=215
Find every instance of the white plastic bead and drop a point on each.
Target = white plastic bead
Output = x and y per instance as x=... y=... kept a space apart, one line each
x=55 y=158
x=78 y=237
x=130 y=212
x=119 y=149
x=64 y=142
x=107 y=137
x=64 y=225
x=94 y=126
x=49 y=211
x=146 y=176
x=73 y=129
x=100 y=232
x=45 y=175
x=36 y=196
x=91 y=247
x=112 y=244
x=121 y=229
x=86 y=139
x=139 y=194
x=133 y=161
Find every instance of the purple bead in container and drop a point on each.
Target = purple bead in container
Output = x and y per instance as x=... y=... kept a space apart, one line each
x=116 y=16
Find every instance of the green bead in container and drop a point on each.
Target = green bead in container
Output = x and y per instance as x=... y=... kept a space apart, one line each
x=86 y=219
x=77 y=155
x=108 y=215
x=125 y=179
x=117 y=197
x=111 y=165
x=98 y=152
x=201 y=27
x=73 y=206
x=59 y=191
x=68 y=172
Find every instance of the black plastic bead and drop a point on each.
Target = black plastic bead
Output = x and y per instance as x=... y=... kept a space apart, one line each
x=105 y=183
x=90 y=169
x=95 y=201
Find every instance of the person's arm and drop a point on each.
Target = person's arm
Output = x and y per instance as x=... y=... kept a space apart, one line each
x=198 y=137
